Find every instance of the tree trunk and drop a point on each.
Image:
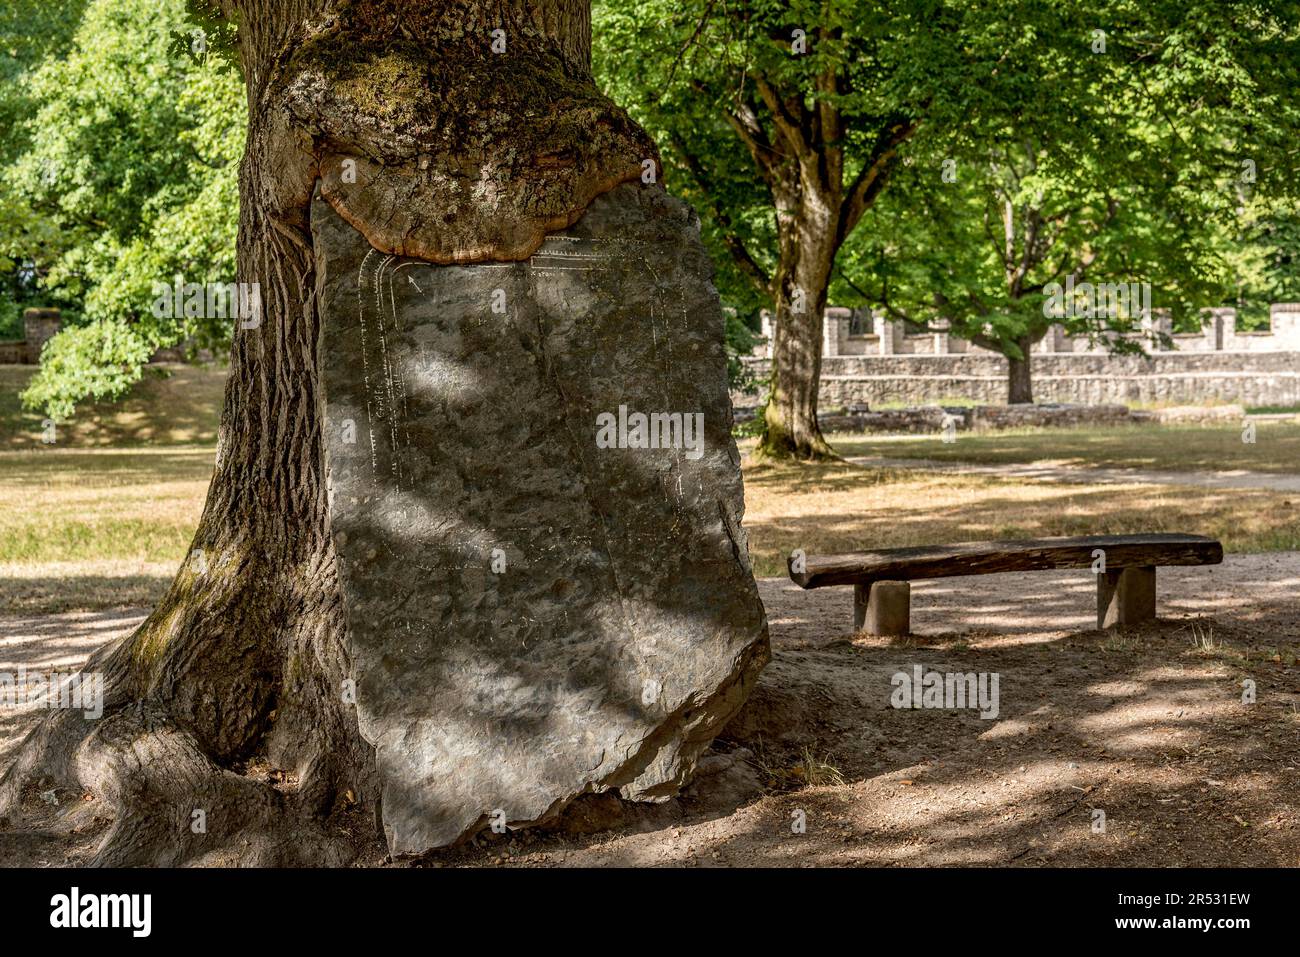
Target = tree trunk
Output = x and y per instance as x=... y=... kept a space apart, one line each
x=228 y=734
x=1020 y=387
x=807 y=255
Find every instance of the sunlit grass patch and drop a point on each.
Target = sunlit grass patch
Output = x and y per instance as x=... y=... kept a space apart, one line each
x=77 y=506
x=173 y=404
x=96 y=515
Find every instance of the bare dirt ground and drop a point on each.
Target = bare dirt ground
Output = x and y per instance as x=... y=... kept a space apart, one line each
x=1145 y=725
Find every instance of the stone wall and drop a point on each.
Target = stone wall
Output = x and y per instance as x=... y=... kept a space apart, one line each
x=39 y=325
x=1176 y=378
x=928 y=419
x=847 y=332
x=931 y=419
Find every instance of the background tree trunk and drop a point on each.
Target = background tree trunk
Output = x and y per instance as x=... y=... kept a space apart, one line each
x=807 y=255
x=1020 y=385
x=231 y=698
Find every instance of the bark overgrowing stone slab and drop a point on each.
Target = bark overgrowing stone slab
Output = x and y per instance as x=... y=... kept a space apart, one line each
x=533 y=613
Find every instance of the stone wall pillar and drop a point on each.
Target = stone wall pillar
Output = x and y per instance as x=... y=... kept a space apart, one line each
x=39 y=326
x=767 y=327
x=1053 y=340
x=1156 y=324
x=890 y=334
x=835 y=330
x=1228 y=331
x=1284 y=318
x=1212 y=329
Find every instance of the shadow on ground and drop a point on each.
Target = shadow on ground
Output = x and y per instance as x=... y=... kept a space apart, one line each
x=1146 y=726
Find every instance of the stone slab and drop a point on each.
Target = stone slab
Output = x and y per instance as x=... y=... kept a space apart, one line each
x=532 y=615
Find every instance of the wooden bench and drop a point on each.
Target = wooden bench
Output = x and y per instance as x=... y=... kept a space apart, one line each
x=1126 y=590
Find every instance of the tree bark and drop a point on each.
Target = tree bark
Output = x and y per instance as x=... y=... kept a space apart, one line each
x=807 y=254
x=1020 y=386
x=231 y=699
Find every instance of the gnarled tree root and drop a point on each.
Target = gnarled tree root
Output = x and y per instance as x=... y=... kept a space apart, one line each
x=165 y=802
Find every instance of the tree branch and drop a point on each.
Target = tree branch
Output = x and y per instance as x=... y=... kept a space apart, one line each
x=749 y=267
x=744 y=120
x=790 y=128
x=871 y=178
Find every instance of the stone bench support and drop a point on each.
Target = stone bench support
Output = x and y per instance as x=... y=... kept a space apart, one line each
x=1126 y=596
x=883 y=608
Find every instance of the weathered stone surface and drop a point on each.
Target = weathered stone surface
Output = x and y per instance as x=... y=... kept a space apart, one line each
x=532 y=616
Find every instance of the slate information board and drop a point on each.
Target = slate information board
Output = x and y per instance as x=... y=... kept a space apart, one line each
x=539 y=600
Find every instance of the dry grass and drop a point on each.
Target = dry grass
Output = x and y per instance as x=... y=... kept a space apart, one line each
x=818 y=771
x=1203 y=640
x=806 y=769
x=173 y=404
x=95 y=529
x=1173 y=447
x=843 y=508
x=85 y=506
x=103 y=518
x=101 y=529
x=48 y=588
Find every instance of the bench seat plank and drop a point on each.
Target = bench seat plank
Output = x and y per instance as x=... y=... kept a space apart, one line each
x=988 y=558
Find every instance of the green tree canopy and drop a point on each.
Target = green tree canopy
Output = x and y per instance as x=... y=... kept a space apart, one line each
x=788 y=122
x=1123 y=188
x=127 y=178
